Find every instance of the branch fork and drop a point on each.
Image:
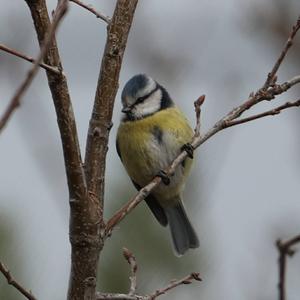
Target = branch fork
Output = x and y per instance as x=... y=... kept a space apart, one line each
x=285 y=249
x=133 y=283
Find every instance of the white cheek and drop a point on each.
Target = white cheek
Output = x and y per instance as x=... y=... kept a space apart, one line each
x=149 y=106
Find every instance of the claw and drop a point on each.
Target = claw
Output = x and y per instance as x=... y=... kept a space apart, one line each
x=189 y=149
x=164 y=177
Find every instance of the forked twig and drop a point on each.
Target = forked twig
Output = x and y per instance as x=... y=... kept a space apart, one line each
x=271 y=79
x=173 y=284
x=285 y=250
x=272 y=112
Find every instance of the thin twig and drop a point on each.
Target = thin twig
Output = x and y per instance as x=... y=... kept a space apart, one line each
x=285 y=250
x=30 y=59
x=92 y=10
x=271 y=79
x=117 y=296
x=133 y=268
x=173 y=284
x=133 y=280
x=222 y=124
x=15 y=284
x=15 y=101
x=271 y=112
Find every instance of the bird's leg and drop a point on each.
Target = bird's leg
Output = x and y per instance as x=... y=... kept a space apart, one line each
x=164 y=177
x=189 y=149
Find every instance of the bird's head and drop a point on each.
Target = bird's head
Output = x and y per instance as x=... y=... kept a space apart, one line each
x=142 y=96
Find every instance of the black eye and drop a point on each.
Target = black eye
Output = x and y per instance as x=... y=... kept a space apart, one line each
x=143 y=98
x=140 y=99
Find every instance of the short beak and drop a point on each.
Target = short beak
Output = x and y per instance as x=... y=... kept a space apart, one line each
x=126 y=110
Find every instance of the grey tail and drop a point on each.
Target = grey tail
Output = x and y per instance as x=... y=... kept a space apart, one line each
x=155 y=207
x=183 y=234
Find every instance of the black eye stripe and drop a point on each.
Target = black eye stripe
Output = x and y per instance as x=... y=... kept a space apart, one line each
x=142 y=99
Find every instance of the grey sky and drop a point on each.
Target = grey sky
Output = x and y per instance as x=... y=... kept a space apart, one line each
x=248 y=177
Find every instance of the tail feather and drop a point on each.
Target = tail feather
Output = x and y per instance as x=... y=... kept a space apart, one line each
x=183 y=234
x=155 y=207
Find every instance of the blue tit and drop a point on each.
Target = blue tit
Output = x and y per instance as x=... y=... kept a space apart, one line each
x=152 y=132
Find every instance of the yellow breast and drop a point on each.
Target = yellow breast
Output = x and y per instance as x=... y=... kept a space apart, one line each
x=141 y=155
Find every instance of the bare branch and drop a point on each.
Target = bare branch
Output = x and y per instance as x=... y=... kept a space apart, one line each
x=93 y=11
x=288 y=84
x=14 y=283
x=259 y=96
x=116 y=296
x=62 y=102
x=133 y=267
x=174 y=283
x=107 y=86
x=287 y=245
x=271 y=79
x=285 y=250
x=133 y=279
x=131 y=204
x=30 y=59
x=272 y=112
x=15 y=101
x=85 y=212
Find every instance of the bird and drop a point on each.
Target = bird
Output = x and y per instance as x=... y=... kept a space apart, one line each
x=152 y=132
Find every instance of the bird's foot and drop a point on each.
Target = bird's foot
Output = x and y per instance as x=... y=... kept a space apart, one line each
x=164 y=177
x=189 y=149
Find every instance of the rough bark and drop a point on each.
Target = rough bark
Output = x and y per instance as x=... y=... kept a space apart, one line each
x=107 y=87
x=86 y=204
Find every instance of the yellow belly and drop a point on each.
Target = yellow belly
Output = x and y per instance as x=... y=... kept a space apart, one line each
x=143 y=155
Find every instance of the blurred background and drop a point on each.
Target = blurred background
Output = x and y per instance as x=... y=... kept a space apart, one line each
x=244 y=191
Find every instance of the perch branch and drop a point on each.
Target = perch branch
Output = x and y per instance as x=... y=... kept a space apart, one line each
x=222 y=124
x=261 y=95
x=15 y=101
x=30 y=59
x=93 y=11
x=14 y=283
x=285 y=250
